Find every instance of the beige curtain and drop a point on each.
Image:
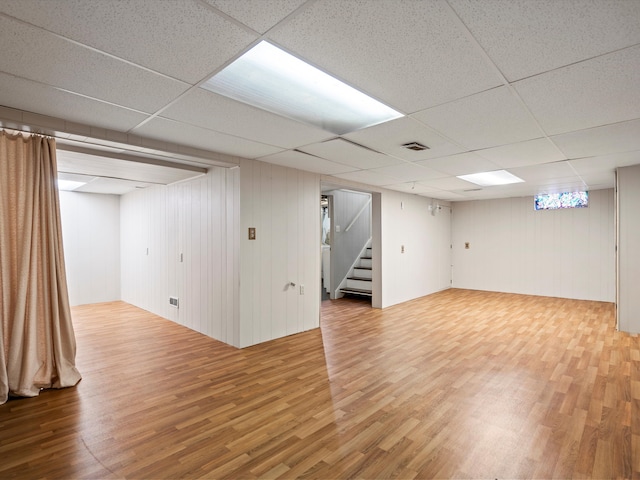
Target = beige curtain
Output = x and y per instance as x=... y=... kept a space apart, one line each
x=37 y=342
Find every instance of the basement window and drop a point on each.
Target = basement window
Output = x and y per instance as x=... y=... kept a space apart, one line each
x=556 y=201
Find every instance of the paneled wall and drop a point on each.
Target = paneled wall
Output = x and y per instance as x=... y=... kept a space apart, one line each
x=91 y=238
x=283 y=205
x=181 y=240
x=347 y=245
x=628 y=180
x=566 y=253
x=425 y=265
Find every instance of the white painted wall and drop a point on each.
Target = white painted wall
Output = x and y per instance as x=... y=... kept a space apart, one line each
x=283 y=204
x=628 y=182
x=566 y=253
x=425 y=265
x=91 y=238
x=198 y=219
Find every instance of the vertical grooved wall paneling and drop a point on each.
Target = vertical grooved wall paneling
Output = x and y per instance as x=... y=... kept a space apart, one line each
x=283 y=204
x=566 y=253
x=628 y=191
x=188 y=229
x=91 y=238
x=425 y=265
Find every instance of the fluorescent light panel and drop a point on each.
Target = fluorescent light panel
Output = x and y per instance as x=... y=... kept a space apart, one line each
x=272 y=79
x=490 y=179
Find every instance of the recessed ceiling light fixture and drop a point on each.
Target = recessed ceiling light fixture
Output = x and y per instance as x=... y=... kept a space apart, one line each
x=490 y=179
x=272 y=79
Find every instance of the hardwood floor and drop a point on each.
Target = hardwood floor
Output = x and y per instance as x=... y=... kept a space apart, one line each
x=459 y=384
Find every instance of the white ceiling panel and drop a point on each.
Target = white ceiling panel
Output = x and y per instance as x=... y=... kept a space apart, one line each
x=36 y=97
x=412 y=55
x=538 y=173
x=369 y=177
x=169 y=130
x=111 y=186
x=525 y=37
x=257 y=15
x=347 y=153
x=444 y=195
x=389 y=137
x=619 y=137
x=116 y=168
x=460 y=164
x=592 y=93
x=449 y=183
x=406 y=172
x=215 y=112
x=487 y=119
x=412 y=187
x=605 y=163
x=599 y=180
x=165 y=36
x=60 y=63
x=531 y=152
x=304 y=161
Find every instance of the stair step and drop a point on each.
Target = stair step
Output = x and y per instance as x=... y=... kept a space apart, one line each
x=355 y=277
x=366 y=258
x=356 y=291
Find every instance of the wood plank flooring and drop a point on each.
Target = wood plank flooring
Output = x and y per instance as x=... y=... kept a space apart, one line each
x=459 y=384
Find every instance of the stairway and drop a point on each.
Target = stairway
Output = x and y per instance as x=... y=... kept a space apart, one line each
x=359 y=283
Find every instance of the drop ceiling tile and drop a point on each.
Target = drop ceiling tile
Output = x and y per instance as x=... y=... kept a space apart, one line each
x=596 y=92
x=619 y=137
x=204 y=109
x=549 y=171
x=34 y=54
x=487 y=119
x=411 y=187
x=460 y=164
x=409 y=172
x=444 y=195
x=304 y=161
x=260 y=16
x=525 y=37
x=368 y=177
x=389 y=137
x=449 y=183
x=605 y=163
x=411 y=55
x=559 y=185
x=347 y=153
x=598 y=181
x=36 y=97
x=521 y=154
x=163 y=36
x=176 y=132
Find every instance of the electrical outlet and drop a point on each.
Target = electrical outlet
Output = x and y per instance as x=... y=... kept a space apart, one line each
x=301 y=289
x=252 y=233
x=401 y=248
x=466 y=245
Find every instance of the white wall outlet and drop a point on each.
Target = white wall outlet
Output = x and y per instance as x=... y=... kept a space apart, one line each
x=301 y=289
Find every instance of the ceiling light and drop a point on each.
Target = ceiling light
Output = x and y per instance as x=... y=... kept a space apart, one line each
x=69 y=185
x=490 y=179
x=272 y=79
